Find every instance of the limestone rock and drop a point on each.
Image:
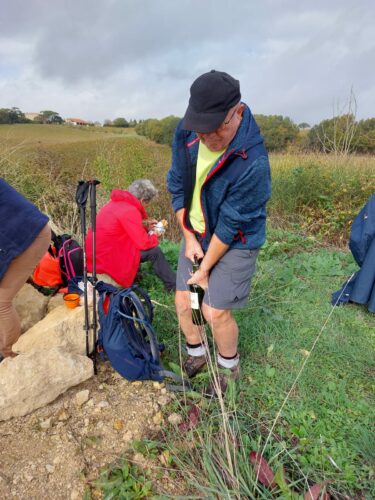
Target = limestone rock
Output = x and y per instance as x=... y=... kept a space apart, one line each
x=62 y=327
x=158 y=418
x=30 y=305
x=175 y=418
x=32 y=380
x=55 y=301
x=163 y=400
x=82 y=397
x=46 y=424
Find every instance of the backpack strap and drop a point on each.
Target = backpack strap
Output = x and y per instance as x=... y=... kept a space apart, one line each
x=184 y=384
x=134 y=335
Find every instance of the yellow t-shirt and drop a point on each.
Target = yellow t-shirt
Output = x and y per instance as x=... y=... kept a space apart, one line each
x=206 y=160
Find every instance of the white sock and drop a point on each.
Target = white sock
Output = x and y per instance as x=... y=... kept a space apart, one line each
x=228 y=363
x=196 y=351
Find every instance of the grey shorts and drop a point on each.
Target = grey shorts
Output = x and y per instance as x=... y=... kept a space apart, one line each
x=229 y=281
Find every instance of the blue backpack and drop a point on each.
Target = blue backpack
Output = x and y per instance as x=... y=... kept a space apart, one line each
x=127 y=337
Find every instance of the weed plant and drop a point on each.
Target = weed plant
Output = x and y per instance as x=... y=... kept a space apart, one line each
x=320 y=194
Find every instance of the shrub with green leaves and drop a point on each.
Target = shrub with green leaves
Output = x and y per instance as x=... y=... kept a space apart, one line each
x=124 y=480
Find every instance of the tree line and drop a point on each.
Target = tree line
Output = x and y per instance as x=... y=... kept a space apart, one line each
x=120 y=122
x=342 y=134
x=15 y=115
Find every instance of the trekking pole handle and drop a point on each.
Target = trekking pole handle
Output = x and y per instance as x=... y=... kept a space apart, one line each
x=93 y=183
x=82 y=193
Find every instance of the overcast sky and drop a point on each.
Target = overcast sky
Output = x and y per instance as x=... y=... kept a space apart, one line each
x=98 y=59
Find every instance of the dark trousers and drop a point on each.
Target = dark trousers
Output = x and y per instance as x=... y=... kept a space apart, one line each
x=161 y=267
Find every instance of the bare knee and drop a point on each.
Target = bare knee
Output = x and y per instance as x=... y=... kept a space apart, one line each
x=182 y=303
x=216 y=316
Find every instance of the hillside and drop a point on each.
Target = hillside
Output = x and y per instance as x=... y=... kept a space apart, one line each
x=306 y=394
x=314 y=194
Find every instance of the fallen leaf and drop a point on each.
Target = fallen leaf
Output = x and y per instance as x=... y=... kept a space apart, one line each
x=305 y=352
x=118 y=425
x=165 y=457
x=264 y=472
x=193 y=418
x=314 y=493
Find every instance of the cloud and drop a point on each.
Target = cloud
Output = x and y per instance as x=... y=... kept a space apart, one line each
x=138 y=58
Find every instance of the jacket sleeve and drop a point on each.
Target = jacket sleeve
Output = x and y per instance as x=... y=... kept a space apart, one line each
x=137 y=233
x=246 y=200
x=175 y=173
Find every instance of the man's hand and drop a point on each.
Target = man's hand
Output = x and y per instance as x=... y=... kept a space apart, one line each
x=193 y=249
x=149 y=224
x=200 y=278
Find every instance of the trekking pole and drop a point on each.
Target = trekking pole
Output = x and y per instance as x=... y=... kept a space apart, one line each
x=93 y=183
x=81 y=199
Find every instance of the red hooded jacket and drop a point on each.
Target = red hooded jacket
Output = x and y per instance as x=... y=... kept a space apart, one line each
x=120 y=237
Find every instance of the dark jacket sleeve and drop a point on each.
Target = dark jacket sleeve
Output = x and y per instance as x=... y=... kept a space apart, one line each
x=175 y=174
x=245 y=200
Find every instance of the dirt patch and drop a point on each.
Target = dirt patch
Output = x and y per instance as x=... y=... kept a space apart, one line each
x=55 y=451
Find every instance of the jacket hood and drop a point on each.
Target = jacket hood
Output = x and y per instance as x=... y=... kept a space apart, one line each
x=120 y=195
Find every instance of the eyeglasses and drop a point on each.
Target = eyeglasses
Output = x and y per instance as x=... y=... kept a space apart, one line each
x=222 y=126
x=227 y=122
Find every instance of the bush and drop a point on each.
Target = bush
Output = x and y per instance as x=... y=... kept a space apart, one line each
x=342 y=135
x=278 y=131
x=160 y=131
x=11 y=115
x=320 y=195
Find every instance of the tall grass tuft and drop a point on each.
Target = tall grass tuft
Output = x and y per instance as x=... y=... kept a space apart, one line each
x=320 y=194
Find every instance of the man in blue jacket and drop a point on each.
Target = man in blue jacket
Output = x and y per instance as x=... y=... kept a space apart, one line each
x=24 y=238
x=220 y=182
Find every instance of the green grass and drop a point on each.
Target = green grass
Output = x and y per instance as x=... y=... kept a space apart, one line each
x=45 y=163
x=315 y=194
x=320 y=194
x=325 y=429
x=35 y=134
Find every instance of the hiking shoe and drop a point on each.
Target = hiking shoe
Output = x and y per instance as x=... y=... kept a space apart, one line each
x=194 y=364
x=223 y=379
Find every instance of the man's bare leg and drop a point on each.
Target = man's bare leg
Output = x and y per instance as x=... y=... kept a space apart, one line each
x=224 y=330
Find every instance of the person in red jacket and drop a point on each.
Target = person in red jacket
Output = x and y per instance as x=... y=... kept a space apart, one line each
x=125 y=237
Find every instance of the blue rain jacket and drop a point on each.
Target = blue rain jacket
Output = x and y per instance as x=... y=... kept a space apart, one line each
x=20 y=224
x=361 y=288
x=235 y=191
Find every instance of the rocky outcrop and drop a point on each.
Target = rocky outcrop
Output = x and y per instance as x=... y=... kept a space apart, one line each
x=55 y=301
x=62 y=327
x=30 y=381
x=30 y=305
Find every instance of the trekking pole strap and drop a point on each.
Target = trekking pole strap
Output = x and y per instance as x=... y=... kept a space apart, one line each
x=184 y=384
x=134 y=318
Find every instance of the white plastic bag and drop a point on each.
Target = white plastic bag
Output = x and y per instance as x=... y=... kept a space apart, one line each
x=90 y=291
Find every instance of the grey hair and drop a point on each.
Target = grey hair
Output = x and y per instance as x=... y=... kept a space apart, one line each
x=143 y=189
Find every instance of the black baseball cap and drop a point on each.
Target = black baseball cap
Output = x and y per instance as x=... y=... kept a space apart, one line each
x=211 y=97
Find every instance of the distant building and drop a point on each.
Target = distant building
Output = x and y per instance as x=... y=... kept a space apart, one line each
x=31 y=116
x=76 y=121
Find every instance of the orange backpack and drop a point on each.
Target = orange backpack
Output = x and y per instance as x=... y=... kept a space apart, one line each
x=47 y=275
